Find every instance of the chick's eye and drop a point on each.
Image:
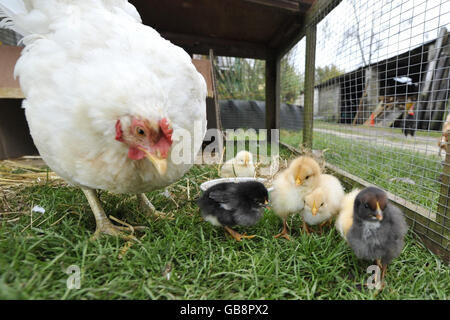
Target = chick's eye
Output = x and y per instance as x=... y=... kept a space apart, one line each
x=366 y=205
x=307 y=177
x=140 y=131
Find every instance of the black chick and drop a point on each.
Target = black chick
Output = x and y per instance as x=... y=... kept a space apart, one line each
x=409 y=124
x=227 y=204
x=378 y=228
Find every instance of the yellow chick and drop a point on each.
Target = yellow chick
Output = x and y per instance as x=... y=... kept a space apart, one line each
x=323 y=203
x=290 y=188
x=344 y=220
x=240 y=166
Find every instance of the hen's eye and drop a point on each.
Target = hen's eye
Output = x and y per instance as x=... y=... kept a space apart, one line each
x=140 y=131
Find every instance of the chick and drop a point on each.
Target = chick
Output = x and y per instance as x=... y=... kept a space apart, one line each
x=376 y=230
x=240 y=166
x=227 y=204
x=323 y=203
x=290 y=188
x=345 y=217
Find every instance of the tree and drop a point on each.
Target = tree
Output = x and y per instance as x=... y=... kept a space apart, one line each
x=292 y=81
x=239 y=78
x=326 y=73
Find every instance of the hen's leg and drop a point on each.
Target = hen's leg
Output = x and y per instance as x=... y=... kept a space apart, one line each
x=149 y=208
x=236 y=235
x=284 y=232
x=104 y=225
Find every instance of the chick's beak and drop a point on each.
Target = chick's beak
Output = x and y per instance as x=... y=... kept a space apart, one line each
x=379 y=213
x=298 y=181
x=314 y=209
x=159 y=163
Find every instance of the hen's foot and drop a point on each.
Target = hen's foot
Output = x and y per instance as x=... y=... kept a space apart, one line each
x=104 y=225
x=150 y=209
x=112 y=230
x=284 y=232
x=236 y=235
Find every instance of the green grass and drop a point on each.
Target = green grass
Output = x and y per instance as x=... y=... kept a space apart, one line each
x=206 y=264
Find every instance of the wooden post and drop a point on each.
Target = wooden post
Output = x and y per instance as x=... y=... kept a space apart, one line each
x=217 y=118
x=272 y=94
x=308 y=110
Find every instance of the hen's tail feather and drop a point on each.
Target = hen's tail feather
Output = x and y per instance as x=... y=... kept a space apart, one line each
x=9 y=11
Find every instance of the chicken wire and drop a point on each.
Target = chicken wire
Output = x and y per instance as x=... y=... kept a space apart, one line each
x=382 y=67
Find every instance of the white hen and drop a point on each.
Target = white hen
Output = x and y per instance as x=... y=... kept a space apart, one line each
x=104 y=93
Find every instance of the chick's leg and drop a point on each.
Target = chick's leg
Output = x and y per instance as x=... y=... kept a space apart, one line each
x=284 y=232
x=104 y=225
x=305 y=228
x=149 y=208
x=236 y=235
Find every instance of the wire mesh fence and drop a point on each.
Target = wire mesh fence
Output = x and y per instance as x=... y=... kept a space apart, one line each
x=381 y=98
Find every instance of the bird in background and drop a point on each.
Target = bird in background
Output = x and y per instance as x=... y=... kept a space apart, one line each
x=409 y=124
x=240 y=166
x=291 y=186
x=228 y=204
x=374 y=229
x=323 y=203
x=105 y=96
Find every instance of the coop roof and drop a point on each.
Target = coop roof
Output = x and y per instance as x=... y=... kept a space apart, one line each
x=239 y=28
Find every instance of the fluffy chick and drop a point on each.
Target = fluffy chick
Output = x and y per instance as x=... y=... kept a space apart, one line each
x=227 y=204
x=323 y=203
x=377 y=230
x=345 y=217
x=291 y=186
x=240 y=166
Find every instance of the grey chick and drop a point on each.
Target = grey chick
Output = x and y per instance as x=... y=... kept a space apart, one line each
x=378 y=228
x=228 y=204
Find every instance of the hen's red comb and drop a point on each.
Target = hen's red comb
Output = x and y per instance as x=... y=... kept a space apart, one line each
x=166 y=129
x=119 y=131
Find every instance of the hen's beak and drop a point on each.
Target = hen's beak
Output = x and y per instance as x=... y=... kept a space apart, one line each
x=298 y=181
x=314 y=208
x=159 y=163
x=379 y=213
